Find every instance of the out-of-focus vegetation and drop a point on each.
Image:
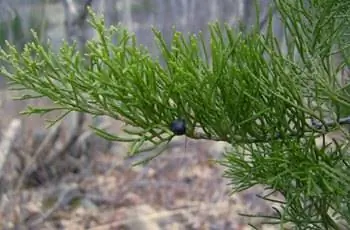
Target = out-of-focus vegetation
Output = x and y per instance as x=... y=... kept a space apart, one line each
x=17 y=29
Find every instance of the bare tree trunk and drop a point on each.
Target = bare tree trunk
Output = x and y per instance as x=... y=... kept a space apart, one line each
x=6 y=13
x=76 y=27
x=111 y=12
x=76 y=30
x=63 y=138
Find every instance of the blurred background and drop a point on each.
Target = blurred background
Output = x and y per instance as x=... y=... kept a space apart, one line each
x=67 y=178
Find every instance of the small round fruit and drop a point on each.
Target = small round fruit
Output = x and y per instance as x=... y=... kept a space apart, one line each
x=178 y=127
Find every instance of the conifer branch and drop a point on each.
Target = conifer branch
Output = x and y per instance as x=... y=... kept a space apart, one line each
x=239 y=88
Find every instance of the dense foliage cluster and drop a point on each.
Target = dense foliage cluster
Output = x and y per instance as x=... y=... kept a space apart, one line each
x=242 y=88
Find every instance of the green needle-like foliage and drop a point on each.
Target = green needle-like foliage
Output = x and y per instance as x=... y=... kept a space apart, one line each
x=241 y=88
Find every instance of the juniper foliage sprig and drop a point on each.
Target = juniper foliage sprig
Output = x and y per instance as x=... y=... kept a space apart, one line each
x=239 y=88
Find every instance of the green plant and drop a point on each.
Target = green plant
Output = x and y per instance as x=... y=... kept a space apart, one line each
x=17 y=31
x=241 y=88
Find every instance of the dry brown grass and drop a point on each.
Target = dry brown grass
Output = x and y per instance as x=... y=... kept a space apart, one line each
x=92 y=186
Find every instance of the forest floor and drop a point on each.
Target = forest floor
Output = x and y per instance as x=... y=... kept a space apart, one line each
x=91 y=185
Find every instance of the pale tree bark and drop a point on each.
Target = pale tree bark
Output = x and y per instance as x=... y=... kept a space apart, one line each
x=76 y=30
x=6 y=13
x=62 y=140
x=110 y=11
x=76 y=26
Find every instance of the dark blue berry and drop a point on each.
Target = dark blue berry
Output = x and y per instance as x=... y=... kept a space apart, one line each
x=178 y=127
